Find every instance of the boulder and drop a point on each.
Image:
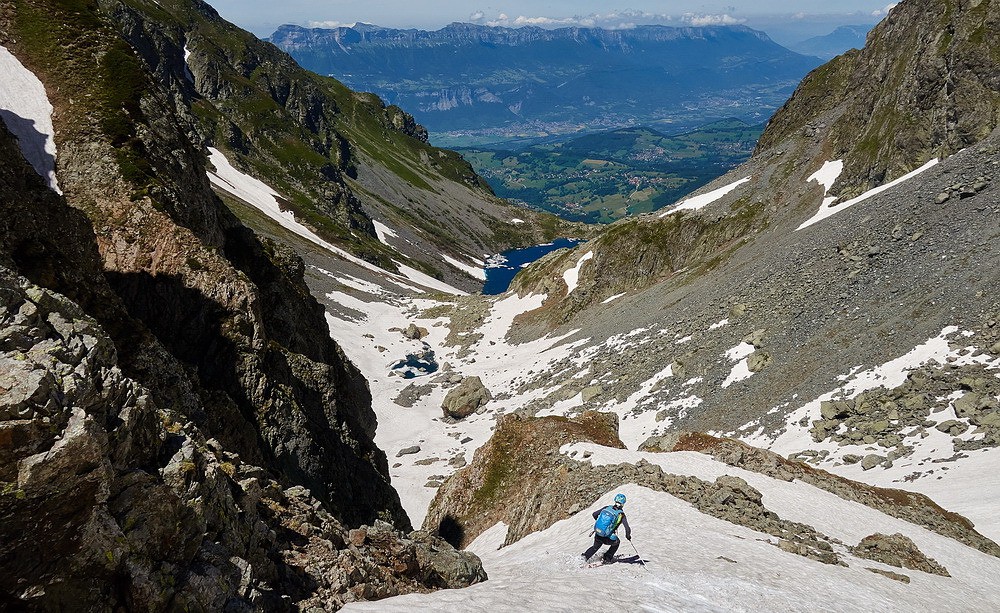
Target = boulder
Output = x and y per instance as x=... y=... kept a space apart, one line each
x=871 y=460
x=899 y=551
x=969 y=404
x=758 y=361
x=466 y=398
x=408 y=451
x=415 y=332
x=755 y=338
x=589 y=393
x=952 y=427
x=987 y=419
x=660 y=443
x=443 y=565
x=831 y=409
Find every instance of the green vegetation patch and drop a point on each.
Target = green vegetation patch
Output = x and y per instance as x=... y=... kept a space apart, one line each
x=607 y=176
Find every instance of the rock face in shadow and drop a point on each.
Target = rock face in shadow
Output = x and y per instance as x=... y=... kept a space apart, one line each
x=226 y=314
x=177 y=428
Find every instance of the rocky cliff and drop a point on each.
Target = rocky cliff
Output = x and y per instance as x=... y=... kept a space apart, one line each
x=179 y=430
x=925 y=85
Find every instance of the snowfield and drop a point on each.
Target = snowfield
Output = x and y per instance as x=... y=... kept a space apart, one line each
x=27 y=112
x=695 y=562
x=970 y=487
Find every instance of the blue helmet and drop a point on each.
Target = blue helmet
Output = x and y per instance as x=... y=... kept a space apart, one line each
x=619 y=498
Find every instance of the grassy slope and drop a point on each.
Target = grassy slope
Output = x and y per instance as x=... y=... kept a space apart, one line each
x=307 y=136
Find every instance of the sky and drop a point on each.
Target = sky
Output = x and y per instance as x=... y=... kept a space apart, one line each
x=785 y=20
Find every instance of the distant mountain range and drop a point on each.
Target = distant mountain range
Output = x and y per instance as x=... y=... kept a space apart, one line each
x=479 y=79
x=833 y=44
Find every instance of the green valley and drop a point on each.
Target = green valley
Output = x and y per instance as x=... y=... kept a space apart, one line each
x=609 y=175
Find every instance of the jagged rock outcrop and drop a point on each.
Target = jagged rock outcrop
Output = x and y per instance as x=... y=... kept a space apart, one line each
x=910 y=506
x=246 y=346
x=110 y=501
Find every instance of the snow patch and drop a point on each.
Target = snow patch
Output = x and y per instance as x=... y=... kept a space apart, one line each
x=383 y=231
x=739 y=352
x=496 y=326
x=187 y=67
x=613 y=298
x=474 y=272
x=427 y=281
x=700 y=202
x=719 y=324
x=827 y=175
x=572 y=276
x=27 y=112
x=740 y=372
x=829 y=208
x=516 y=221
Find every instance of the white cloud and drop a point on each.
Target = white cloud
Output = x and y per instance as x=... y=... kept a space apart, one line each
x=331 y=24
x=501 y=20
x=882 y=12
x=521 y=20
x=619 y=20
x=712 y=20
x=477 y=16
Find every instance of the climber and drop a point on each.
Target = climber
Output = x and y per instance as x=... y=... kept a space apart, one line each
x=608 y=520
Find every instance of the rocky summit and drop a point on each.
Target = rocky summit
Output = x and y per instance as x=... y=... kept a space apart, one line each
x=242 y=352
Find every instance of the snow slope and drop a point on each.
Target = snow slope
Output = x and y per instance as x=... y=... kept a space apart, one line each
x=572 y=276
x=27 y=112
x=695 y=562
x=699 y=202
x=262 y=197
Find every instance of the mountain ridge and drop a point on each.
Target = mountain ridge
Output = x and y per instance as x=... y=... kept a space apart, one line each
x=533 y=77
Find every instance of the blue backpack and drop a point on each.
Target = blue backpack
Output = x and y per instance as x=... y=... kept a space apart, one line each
x=607 y=521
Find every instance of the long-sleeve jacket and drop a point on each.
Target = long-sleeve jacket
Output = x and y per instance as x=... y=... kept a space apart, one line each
x=622 y=521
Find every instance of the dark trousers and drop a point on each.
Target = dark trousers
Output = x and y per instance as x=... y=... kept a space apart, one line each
x=603 y=540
